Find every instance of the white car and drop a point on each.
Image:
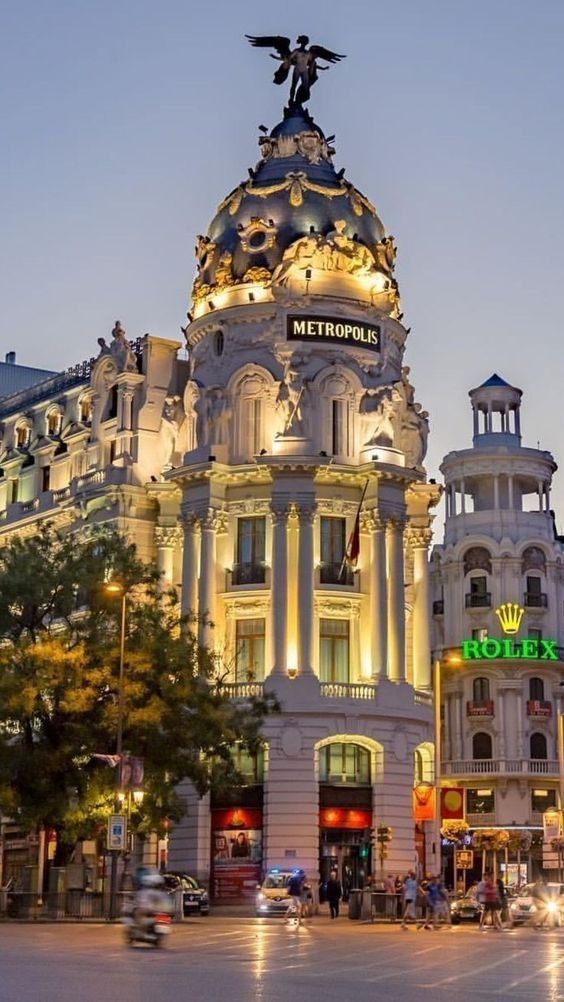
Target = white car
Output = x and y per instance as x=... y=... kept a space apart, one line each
x=548 y=910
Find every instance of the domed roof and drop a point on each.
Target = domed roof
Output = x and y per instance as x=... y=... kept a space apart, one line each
x=294 y=191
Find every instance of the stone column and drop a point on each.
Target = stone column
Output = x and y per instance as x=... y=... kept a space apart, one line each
x=420 y=539
x=378 y=598
x=210 y=524
x=126 y=409
x=280 y=512
x=166 y=538
x=306 y=517
x=396 y=601
x=188 y=602
x=510 y=496
x=496 y=492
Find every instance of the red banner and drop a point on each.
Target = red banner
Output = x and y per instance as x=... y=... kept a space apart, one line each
x=344 y=817
x=452 y=803
x=237 y=817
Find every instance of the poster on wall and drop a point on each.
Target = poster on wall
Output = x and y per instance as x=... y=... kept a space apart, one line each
x=236 y=853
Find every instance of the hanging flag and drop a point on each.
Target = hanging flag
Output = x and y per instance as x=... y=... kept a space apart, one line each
x=423 y=802
x=353 y=546
x=452 y=803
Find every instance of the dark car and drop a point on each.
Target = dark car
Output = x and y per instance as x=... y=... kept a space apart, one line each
x=194 y=897
x=465 y=909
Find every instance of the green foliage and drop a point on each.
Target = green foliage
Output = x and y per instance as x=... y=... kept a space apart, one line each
x=59 y=672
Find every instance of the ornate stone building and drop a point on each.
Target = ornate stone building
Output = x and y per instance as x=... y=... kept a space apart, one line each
x=501 y=666
x=241 y=472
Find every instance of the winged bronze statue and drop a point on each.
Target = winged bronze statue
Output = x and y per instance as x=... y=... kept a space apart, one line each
x=302 y=60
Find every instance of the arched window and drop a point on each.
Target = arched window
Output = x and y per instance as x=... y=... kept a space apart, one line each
x=477 y=558
x=344 y=763
x=536 y=688
x=54 y=420
x=336 y=394
x=23 y=435
x=538 y=746
x=481 y=745
x=533 y=559
x=480 y=690
x=419 y=766
x=249 y=398
x=85 y=409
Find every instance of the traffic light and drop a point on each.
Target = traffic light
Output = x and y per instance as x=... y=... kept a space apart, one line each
x=384 y=834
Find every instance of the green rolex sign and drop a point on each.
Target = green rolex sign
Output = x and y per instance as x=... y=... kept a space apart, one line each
x=509 y=649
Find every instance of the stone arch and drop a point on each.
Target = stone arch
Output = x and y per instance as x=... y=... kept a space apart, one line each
x=336 y=391
x=375 y=749
x=482 y=745
x=53 y=420
x=250 y=391
x=424 y=763
x=477 y=558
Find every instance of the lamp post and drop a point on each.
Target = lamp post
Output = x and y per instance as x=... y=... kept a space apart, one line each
x=438 y=663
x=115 y=589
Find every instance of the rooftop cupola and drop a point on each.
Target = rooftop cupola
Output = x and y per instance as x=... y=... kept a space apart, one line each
x=496 y=407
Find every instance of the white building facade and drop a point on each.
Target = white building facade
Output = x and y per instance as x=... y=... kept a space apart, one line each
x=498 y=608
x=241 y=472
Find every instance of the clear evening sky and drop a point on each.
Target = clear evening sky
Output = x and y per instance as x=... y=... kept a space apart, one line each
x=124 y=123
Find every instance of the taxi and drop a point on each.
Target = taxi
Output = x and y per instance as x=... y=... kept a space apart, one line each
x=272 y=894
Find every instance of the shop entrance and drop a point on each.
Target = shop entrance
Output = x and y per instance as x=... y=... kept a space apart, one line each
x=344 y=850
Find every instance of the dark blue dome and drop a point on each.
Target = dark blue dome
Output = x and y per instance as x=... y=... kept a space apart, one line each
x=293 y=191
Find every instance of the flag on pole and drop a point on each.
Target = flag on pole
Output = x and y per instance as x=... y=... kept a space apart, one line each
x=353 y=546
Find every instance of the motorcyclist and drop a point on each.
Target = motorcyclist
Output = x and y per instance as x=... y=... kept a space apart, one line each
x=150 y=898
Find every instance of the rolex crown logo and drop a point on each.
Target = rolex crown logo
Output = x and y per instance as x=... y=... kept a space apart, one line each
x=510 y=615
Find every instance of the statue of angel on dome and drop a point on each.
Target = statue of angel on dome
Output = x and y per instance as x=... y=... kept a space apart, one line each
x=302 y=60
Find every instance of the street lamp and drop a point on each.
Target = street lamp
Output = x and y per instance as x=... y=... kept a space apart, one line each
x=115 y=589
x=451 y=658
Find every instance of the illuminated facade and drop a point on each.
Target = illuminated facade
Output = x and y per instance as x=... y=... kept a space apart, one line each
x=498 y=607
x=240 y=472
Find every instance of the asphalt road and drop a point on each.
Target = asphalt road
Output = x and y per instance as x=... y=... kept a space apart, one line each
x=221 y=959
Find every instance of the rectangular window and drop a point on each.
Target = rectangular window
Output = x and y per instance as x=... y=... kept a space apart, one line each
x=533 y=585
x=12 y=491
x=543 y=800
x=333 y=536
x=480 y=801
x=249 y=650
x=338 y=447
x=478 y=586
x=112 y=450
x=252 y=425
x=334 y=650
x=45 y=478
x=249 y=567
x=480 y=634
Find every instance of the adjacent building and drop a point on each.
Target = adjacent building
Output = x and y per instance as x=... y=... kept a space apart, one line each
x=498 y=613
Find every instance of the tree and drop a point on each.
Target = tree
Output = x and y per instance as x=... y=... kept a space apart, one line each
x=59 y=669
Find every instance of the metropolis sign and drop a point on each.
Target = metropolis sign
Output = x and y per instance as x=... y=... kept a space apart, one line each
x=510 y=616
x=333 y=330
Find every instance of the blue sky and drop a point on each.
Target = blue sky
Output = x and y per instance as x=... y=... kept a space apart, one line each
x=125 y=123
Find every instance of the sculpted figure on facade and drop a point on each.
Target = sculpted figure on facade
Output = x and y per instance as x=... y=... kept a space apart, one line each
x=120 y=350
x=172 y=419
x=291 y=405
x=377 y=411
x=335 y=252
x=385 y=255
x=413 y=422
x=220 y=415
x=190 y=426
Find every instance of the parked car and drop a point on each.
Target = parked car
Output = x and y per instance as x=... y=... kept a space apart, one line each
x=194 y=897
x=272 y=894
x=524 y=907
x=465 y=909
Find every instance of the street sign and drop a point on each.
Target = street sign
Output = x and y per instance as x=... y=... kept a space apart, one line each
x=117 y=832
x=464 y=859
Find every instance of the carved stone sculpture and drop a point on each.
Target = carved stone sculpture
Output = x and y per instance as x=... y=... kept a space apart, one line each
x=172 y=418
x=301 y=60
x=377 y=410
x=219 y=416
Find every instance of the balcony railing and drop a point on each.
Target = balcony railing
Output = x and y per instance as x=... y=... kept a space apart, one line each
x=539 y=708
x=439 y=607
x=501 y=767
x=242 y=690
x=245 y=574
x=346 y=690
x=480 y=708
x=336 y=574
x=535 y=600
x=478 y=600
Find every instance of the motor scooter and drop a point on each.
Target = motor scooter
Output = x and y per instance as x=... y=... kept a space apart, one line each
x=154 y=930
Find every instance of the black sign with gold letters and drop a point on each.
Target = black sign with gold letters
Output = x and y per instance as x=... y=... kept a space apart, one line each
x=334 y=330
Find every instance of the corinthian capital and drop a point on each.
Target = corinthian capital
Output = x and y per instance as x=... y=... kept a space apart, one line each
x=370 y=521
x=306 y=510
x=417 y=538
x=214 y=519
x=167 y=535
x=280 y=509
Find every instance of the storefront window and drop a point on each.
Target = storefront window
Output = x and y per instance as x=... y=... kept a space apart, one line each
x=344 y=763
x=543 y=800
x=480 y=801
x=250 y=766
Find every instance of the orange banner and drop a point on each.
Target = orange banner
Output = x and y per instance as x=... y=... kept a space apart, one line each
x=424 y=802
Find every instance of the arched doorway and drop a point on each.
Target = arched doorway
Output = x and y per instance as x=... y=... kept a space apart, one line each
x=346 y=771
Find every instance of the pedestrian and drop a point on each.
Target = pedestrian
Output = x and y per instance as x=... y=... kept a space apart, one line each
x=410 y=891
x=502 y=895
x=432 y=900
x=390 y=892
x=444 y=903
x=295 y=883
x=334 y=894
x=491 y=904
x=399 y=896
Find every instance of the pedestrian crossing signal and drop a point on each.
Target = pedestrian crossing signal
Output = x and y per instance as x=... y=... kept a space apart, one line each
x=384 y=834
